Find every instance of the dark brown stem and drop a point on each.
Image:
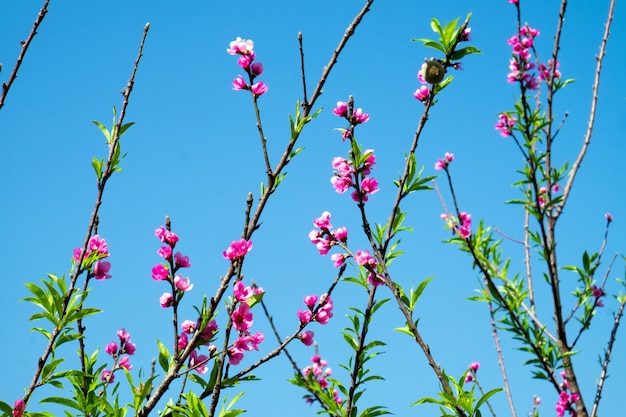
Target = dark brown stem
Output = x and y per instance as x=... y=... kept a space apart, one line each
x=7 y=85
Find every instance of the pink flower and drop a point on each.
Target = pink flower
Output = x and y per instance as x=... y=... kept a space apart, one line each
x=505 y=124
x=310 y=301
x=198 y=362
x=241 y=292
x=125 y=363
x=259 y=88
x=474 y=366
x=256 y=69
x=468 y=378
x=341 y=184
x=364 y=258
x=18 y=408
x=465 y=37
x=188 y=326
x=422 y=93
x=306 y=337
x=182 y=341
x=123 y=335
x=241 y=46
x=242 y=318
x=160 y=272
x=237 y=250
x=239 y=83
x=244 y=61
x=513 y=1
x=101 y=269
x=323 y=222
x=304 y=316
x=166 y=300
x=359 y=117
x=343 y=166
x=181 y=260
x=370 y=161
x=443 y=163
x=98 y=245
x=338 y=259
x=342 y=109
x=369 y=185
x=182 y=283
x=608 y=217
x=341 y=234
x=165 y=252
x=129 y=348
x=209 y=330
x=107 y=376
x=234 y=356
x=111 y=348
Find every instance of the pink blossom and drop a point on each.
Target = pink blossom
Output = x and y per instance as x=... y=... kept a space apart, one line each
x=181 y=260
x=241 y=292
x=129 y=348
x=111 y=348
x=241 y=46
x=513 y=1
x=107 y=376
x=370 y=161
x=209 y=330
x=188 y=326
x=123 y=335
x=364 y=258
x=304 y=316
x=244 y=61
x=608 y=217
x=259 y=88
x=160 y=272
x=465 y=37
x=338 y=259
x=343 y=166
x=310 y=301
x=359 y=116
x=323 y=245
x=182 y=341
x=306 y=337
x=369 y=185
x=239 y=83
x=375 y=280
x=182 y=283
x=505 y=124
x=125 y=363
x=165 y=252
x=234 y=356
x=98 y=245
x=166 y=300
x=342 y=109
x=101 y=269
x=256 y=69
x=18 y=408
x=323 y=222
x=341 y=234
x=198 y=362
x=443 y=163
x=474 y=366
x=341 y=184
x=242 y=318
x=468 y=378
x=237 y=250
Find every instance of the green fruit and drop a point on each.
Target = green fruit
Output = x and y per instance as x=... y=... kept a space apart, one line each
x=434 y=72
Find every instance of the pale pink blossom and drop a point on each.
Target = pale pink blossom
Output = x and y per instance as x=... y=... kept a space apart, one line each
x=359 y=117
x=166 y=300
x=241 y=46
x=239 y=83
x=259 y=88
x=182 y=283
x=125 y=363
x=323 y=222
x=107 y=376
x=198 y=362
x=181 y=260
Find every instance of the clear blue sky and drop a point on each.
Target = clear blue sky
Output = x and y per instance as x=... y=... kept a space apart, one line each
x=194 y=154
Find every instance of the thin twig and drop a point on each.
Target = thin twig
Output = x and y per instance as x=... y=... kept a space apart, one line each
x=25 y=44
x=505 y=380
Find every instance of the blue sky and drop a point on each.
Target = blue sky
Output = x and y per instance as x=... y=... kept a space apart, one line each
x=194 y=154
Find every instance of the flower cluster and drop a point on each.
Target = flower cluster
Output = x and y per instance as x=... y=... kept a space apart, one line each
x=116 y=350
x=18 y=408
x=566 y=400
x=97 y=249
x=471 y=373
x=318 y=372
x=320 y=312
x=543 y=191
x=347 y=176
x=598 y=293
x=444 y=162
x=357 y=116
x=520 y=65
x=237 y=249
x=504 y=124
x=242 y=319
x=325 y=238
x=189 y=328
x=462 y=225
x=364 y=259
x=244 y=48
x=168 y=271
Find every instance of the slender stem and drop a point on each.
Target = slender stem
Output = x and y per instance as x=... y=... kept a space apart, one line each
x=25 y=44
x=505 y=380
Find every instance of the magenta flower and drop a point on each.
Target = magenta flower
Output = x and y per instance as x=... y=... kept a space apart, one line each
x=310 y=301
x=182 y=283
x=237 y=250
x=364 y=258
x=505 y=124
x=338 y=259
x=465 y=37
x=123 y=335
x=359 y=116
x=239 y=83
x=166 y=300
x=129 y=348
x=101 y=269
x=241 y=292
x=341 y=184
x=422 y=93
x=209 y=330
x=304 y=316
x=188 y=326
x=234 y=356
x=160 y=272
x=242 y=318
x=125 y=363
x=18 y=408
x=198 y=362
x=369 y=185
x=370 y=161
x=244 y=61
x=182 y=341
x=165 y=252
x=342 y=109
x=323 y=222
x=107 y=376
x=181 y=260
x=341 y=234
x=468 y=378
x=608 y=217
x=474 y=366
x=111 y=348
x=98 y=245
x=306 y=337
x=343 y=166
x=241 y=46
x=259 y=88
x=256 y=69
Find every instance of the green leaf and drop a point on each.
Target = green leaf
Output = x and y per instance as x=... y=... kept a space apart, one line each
x=103 y=129
x=460 y=53
x=164 y=356
x=486 y=397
